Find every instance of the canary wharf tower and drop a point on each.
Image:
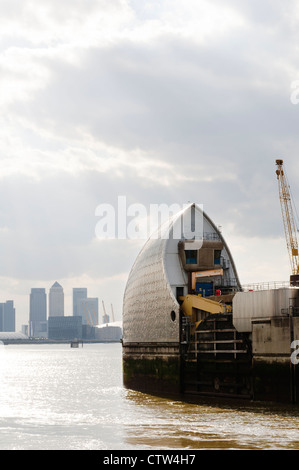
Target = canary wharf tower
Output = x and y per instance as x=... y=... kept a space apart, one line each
x=56 y=300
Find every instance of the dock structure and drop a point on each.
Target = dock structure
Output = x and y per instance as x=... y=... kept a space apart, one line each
x=75 y=343
x=191 y=329
x=180 y=278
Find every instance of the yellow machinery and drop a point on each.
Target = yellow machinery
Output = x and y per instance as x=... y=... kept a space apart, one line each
x=197 y=308
x=288 y=221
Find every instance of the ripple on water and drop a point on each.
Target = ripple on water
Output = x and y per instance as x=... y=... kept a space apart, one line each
x=53 y=397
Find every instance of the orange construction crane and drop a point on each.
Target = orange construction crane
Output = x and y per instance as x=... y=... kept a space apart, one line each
x=288 y=221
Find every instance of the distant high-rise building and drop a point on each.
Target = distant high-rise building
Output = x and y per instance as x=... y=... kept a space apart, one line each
x=38 y=312
x=78 y=294
x=7 y=316
x=88 y=309
x=24 y=330
x=66 y=327
x=1 y=316
x=56 y=301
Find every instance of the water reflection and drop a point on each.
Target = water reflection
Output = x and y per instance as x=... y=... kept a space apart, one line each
x=56 y=397
x=165 y=423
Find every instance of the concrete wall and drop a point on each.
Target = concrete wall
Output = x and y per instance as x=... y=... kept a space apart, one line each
x=248 y=306
x=272 y=337
x=275 y=377
x=152 y=368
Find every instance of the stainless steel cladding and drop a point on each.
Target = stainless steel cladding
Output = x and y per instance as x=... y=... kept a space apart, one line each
x=157 y=278
x=150 y=311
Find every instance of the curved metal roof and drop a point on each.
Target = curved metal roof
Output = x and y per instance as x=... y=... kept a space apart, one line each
x=4 y=335
x=150 y=308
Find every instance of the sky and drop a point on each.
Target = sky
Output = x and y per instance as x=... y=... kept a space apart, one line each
x=162 y=101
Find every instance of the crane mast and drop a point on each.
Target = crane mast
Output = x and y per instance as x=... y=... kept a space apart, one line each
x=288 y=221
x=105 y=314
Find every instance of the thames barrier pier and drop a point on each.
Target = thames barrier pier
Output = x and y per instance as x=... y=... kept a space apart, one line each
x=190 y=329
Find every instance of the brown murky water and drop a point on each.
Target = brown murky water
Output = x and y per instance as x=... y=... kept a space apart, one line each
x=56 y=397
x=172 y=424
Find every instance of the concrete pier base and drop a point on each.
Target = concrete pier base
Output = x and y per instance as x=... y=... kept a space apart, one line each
x=152 y=368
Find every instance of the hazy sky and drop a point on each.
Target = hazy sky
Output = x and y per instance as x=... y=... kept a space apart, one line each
x=163 y=101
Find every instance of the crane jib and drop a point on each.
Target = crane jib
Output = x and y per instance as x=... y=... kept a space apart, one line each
x=288 y=218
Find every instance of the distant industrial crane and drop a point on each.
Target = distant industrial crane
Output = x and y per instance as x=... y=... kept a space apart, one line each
x=288 y=221
x=94 y=314
x=105 y=314
x=86 y=313
x=113 y=319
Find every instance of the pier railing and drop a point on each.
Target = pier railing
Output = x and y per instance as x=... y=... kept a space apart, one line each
x=265 y=286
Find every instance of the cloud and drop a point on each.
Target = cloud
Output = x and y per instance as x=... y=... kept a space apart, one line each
x=52 y=24
x=162 y=101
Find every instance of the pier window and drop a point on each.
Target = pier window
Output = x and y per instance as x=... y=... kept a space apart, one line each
x=191 y=256
x=217 y=256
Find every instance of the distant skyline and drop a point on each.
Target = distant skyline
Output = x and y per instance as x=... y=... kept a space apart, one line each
x=71 y=304
x=162 y=101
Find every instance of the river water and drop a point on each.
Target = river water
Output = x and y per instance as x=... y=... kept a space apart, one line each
x=54 y=397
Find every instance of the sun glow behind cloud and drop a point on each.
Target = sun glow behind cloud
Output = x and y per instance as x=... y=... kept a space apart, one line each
x=163 y=101
x=41 y=37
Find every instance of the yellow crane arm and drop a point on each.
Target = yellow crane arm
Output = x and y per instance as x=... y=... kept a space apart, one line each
x=191 y=304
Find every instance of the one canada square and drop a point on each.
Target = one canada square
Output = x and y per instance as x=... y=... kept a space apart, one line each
x=56 y=300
